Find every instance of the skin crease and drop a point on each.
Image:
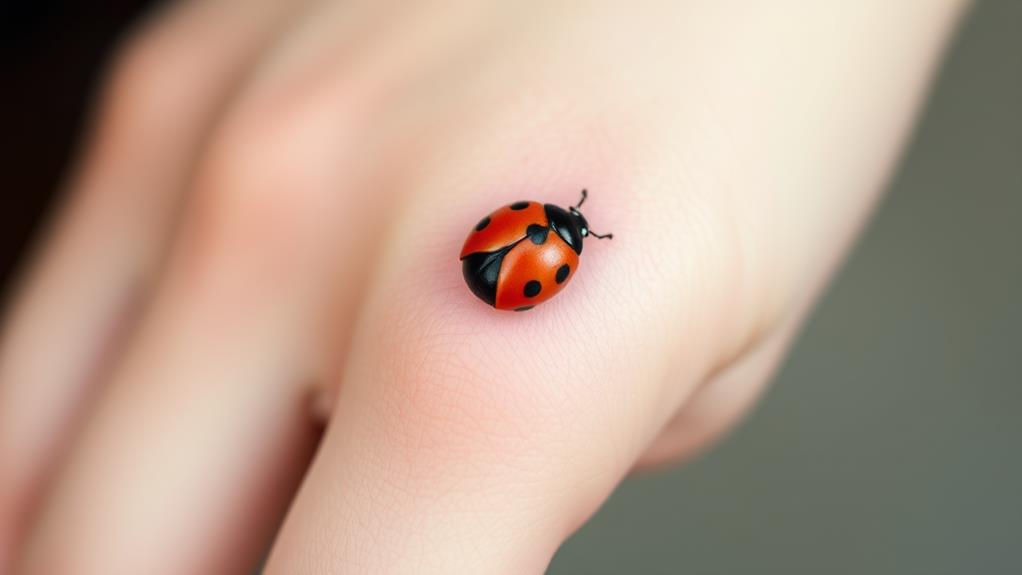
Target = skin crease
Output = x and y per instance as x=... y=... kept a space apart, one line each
x=294 y=265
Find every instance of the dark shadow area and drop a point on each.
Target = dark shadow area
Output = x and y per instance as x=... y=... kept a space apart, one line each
x=54 y=54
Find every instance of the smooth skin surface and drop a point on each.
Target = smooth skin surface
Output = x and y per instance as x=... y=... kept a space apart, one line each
x=261 y=240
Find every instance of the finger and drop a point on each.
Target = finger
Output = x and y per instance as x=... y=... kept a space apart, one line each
x=463 y=437
x=196 y=444
x=273 y=257
x=166 y=86
x=195 y=448
x=191 y=452
x=459 y=437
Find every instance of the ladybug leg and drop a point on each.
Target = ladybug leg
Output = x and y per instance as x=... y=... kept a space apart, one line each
x=600 y=237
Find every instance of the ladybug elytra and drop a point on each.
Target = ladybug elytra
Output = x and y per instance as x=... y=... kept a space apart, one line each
x=523 y=254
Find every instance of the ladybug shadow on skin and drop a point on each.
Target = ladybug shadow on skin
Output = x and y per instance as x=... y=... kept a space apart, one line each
x=524 y=253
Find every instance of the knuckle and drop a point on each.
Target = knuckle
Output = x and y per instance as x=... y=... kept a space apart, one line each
x=465 y=377
x=265 y=170
x=152 y=79
x=264 y=195
x=283 y=155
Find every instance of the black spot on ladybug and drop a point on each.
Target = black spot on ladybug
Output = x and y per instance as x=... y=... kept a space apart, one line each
x=482 y=224
x=537 y=233
x=524 y=308
x=532 y=288
x=519 y=206
x=562 y=273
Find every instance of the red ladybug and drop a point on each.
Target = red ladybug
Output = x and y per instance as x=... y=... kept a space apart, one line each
x=524 y=253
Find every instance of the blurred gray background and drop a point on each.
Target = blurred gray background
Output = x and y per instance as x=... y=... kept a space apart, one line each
x=891 y=441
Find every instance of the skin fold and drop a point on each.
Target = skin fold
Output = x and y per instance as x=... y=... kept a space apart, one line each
x=247 y=327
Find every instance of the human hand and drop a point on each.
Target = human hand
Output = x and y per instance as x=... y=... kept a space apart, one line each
x=262 y=238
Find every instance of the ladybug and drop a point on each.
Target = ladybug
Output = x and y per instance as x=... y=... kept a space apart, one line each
x=523 y=254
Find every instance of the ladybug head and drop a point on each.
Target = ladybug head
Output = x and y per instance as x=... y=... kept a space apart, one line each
x=580 y=221
x=571 y=225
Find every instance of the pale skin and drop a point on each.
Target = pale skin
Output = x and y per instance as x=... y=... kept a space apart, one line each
x=261 y=243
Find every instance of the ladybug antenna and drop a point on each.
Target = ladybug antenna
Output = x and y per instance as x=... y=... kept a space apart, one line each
x=587 y=232
x=585 y=194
